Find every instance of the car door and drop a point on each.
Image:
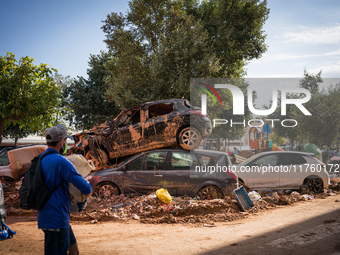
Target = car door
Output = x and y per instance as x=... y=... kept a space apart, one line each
x=178 y=176
x=127 y=133
x=145 y=173
x=293 y=170
x=264 y=172
x=157 y=128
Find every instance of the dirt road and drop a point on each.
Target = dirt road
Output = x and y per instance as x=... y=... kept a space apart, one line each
x=310 y=227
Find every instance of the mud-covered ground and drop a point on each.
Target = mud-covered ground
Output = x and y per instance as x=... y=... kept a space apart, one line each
x=305 y=227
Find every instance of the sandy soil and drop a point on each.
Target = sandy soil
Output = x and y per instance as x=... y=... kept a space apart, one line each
x=309 y=227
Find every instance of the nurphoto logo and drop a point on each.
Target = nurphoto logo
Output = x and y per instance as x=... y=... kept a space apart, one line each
x=282 y=99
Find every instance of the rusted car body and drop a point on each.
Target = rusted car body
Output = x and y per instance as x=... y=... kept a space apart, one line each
x=143 y=127
x=181 y=172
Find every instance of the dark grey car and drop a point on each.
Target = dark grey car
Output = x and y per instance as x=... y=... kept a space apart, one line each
x=199 y=172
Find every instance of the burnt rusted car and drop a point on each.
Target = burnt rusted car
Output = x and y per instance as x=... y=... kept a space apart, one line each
x=152 y=125
x=193 y=173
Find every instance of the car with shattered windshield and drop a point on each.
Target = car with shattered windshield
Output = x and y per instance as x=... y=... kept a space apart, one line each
x=200 y=173
x=152 y=125
x=283 y=170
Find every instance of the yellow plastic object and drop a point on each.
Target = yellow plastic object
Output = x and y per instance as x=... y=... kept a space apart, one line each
x=164 y=196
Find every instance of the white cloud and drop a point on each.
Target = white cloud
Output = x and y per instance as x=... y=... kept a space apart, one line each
x=315 y=35
x=333 y=53
x=291 y=56
x=331 y=70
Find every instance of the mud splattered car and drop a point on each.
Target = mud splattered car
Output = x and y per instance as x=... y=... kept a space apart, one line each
x=199 y=172
x=143 y=127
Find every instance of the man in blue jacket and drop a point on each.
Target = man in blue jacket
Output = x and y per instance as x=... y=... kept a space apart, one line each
x=54 y=217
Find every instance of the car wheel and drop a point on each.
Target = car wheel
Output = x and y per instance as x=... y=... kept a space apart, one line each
x=210 y=192
x=189 y=138
x=314 y=184
x=107 y=190
x=98 y=163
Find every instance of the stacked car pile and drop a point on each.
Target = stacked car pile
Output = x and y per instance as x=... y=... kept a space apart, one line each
x=136 y=150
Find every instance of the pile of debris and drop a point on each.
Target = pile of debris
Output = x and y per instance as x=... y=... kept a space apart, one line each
x=149 y=209
x=335 y=184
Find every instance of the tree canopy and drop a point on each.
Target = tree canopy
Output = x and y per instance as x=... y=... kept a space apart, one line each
x=84 y=100
x=158 y=45
x=29 y=95
x=322 y=128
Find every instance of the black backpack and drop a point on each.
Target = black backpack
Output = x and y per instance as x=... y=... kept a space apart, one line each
x=33 y=192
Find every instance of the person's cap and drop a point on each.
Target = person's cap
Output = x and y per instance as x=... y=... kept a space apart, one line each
x=56 y=133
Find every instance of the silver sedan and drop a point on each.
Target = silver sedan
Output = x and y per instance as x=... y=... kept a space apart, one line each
x=283 y=170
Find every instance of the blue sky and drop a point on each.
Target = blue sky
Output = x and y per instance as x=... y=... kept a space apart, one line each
x=301 y=34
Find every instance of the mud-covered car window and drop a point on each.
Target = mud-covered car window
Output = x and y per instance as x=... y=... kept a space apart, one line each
x=155 y=160
x=182 y=161
x=136 y=164
x=130 y=117
x=4 y=160
x=157 y=110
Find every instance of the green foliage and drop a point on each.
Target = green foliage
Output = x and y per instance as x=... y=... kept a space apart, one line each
x=159 y=45
x=13 y=131
x=277 y=139
x=235 y=31
x=322 y=128
x=311 y=82
x=29 y=95
x=288 y=132
x=84 y=104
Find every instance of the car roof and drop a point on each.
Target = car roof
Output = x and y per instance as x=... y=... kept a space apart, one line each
x=157 y=102
x=207 y=152
x=286 y=152
x=182 y=150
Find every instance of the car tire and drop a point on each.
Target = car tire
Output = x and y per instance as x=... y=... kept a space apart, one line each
x=210 y=192
x=189 y=138
x=103 y=158
x=313 y=184
x=107 y=190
